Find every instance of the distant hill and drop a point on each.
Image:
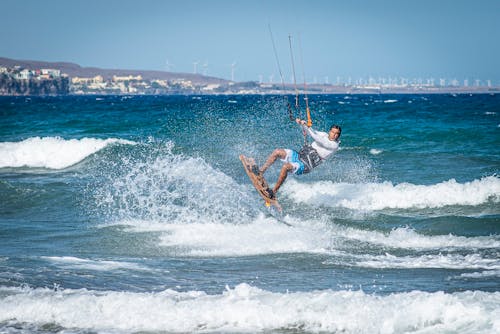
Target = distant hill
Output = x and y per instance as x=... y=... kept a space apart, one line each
x=75 y=70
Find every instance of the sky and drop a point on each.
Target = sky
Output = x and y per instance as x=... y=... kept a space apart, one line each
x=331 y=40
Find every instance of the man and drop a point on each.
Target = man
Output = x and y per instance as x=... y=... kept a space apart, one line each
x=310 y=156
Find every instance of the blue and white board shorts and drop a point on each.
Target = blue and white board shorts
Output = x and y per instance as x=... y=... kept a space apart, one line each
x=292 y=157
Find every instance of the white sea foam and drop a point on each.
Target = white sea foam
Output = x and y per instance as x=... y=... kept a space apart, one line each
x=386 y=195
x=51 y=152
x=249 y=309
x=480 y=275
x=100 y=265
x=375 y=151
x=406 y=238
x=263 y=235
x=390 y=101
x=447 y=261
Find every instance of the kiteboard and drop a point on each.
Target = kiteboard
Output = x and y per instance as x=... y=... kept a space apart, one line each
x=258 y=181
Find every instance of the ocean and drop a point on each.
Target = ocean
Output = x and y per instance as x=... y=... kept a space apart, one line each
x=133 y=214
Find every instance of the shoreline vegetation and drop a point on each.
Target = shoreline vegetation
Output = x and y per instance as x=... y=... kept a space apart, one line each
x=37 y=78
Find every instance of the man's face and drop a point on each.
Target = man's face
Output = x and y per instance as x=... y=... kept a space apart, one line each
x=333 y=134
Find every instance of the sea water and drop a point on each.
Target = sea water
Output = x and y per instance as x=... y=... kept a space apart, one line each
x=124 y=214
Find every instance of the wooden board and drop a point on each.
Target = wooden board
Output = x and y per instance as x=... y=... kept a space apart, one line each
x=258 y=181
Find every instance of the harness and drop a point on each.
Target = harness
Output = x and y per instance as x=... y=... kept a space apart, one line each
x=310 y=157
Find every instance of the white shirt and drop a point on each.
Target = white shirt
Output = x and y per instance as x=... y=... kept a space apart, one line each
x=324 y=146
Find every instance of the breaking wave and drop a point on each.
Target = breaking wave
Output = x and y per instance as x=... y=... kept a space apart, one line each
x=386 y=195
x=245 y=308
x=52 y=152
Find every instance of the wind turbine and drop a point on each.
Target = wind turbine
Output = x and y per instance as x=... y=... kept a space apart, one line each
x=205 y=68
x=168 y=66
x=195 y=67
x=233 y=65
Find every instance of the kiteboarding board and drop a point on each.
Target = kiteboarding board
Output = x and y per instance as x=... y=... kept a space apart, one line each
x=258 y=181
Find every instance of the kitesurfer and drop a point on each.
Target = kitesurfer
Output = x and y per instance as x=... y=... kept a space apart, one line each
x=309 y=157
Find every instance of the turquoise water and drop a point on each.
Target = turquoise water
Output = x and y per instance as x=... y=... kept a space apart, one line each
x=133 y=214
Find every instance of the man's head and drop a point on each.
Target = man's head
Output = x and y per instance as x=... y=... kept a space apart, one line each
x=334 y=132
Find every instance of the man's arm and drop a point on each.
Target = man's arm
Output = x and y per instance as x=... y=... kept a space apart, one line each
x=320 y=137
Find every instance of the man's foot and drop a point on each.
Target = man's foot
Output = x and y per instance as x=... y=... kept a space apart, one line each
x=270 y=193
x=256 y=170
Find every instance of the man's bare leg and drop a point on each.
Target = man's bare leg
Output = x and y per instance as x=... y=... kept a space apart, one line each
x=283 y=174
x=277 y=153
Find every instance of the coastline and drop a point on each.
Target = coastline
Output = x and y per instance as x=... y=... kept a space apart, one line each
x=326 y=91
x=38 y=78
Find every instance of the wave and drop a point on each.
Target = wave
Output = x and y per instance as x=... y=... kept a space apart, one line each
x=480 y=275
x=407 y=238
x=266 y=235
x=98 y=265
x=252 y=236
x=442 y=261
x=386 y=195
x=52 y=152
x=245 y=308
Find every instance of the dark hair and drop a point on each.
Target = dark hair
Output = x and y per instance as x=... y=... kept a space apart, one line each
x=336 y=126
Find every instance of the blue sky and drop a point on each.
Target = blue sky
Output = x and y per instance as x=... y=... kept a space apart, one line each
x=357 y=38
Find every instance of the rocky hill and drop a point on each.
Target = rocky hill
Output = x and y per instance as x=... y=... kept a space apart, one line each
x=75 y=70
x=13 y=87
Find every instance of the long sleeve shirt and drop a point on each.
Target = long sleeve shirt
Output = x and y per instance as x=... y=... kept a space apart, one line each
x=324 y=146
